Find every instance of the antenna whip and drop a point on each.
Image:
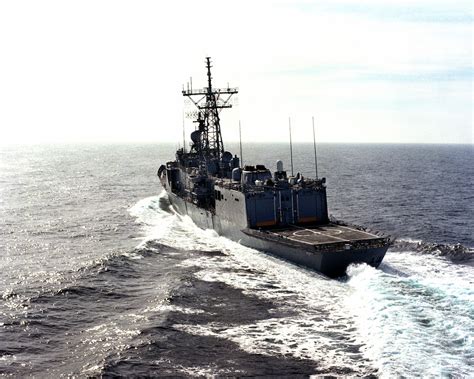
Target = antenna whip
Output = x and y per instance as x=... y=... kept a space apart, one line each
x=315 y=155
x=291 y=146
x=241 y=156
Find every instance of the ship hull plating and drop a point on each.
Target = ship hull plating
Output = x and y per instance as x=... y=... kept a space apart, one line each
x=330 y=263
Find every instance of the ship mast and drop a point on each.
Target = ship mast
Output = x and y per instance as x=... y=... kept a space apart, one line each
x=210 y=101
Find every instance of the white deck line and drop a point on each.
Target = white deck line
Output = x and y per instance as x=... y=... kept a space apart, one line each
x=311 y=230
x=289 y=238
x=311 y=243
x=360 y=231
x=317 y=243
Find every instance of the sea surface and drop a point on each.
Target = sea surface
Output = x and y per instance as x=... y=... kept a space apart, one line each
x=99 y=277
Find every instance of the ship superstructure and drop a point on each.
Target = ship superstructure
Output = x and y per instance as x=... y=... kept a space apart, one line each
x=278 y=213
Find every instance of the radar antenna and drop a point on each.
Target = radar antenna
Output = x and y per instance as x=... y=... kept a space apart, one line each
x=209 y=102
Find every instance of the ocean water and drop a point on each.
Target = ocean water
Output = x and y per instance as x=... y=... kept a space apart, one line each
x=98 y=275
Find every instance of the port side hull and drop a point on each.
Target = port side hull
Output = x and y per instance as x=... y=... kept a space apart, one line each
x=330 y=263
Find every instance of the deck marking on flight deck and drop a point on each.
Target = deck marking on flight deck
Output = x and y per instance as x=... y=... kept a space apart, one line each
x=316 y=232
x=288 y=237
x=334 y=231
x=360 y=231
x=299 y=233
x=317 y=242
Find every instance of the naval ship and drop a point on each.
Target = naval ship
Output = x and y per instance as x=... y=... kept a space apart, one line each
x=274 y=212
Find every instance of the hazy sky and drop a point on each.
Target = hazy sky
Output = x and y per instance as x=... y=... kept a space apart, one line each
x=368 y=70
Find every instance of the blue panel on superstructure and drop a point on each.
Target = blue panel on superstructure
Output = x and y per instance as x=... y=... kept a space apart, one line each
x=261 y=209
x=307 y=206
x=310 y=205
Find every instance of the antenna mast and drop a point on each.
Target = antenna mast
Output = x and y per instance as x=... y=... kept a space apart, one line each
x=184 y=138
x=209 y=102
x=291 y=146
x=315 y=155
x=240 y=139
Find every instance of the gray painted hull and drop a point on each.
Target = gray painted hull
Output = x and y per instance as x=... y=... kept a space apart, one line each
x=330 y=263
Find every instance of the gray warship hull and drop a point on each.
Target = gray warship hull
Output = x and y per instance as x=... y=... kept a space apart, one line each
x=328 y=249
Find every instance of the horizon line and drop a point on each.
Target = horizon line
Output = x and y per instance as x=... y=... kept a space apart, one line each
x=100 y=142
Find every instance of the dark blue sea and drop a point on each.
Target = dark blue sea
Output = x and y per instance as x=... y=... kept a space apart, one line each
x=99 y=277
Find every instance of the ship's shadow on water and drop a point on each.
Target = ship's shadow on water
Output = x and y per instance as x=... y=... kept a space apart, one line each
x=173 y=349
x=169 y=350
x=168 y=345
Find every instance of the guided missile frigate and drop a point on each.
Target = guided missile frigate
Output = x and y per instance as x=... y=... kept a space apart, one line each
x=277 y=213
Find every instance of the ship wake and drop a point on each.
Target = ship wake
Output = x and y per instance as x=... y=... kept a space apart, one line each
x=256 y=307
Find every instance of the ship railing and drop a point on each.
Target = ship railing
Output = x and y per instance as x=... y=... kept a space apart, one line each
x=260 y=188
x=229 y=185
x=244 y=187
x=263 y=188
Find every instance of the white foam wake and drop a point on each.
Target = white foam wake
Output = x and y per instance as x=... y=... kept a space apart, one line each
x=415 y=316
